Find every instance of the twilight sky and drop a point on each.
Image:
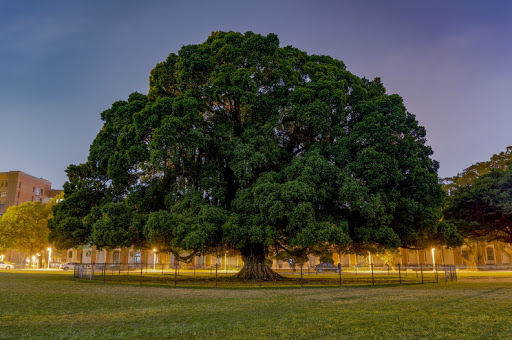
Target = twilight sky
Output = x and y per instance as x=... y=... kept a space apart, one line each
x=64 y=62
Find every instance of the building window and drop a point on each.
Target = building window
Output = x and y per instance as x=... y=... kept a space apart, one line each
x=70 y=254
x=38 y=191
x=19 y=185
x=465 y=253
x=490 y=253
x=33 y=189
x=3 y=193
x=88 y=254
x=137 y=257
x=18 y=194
x=116 y=257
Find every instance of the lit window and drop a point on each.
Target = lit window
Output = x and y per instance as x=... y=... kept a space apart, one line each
x=490 y=253
x=3 y=193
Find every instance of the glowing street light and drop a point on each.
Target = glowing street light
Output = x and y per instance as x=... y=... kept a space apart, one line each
x=154 y=260
x=1 y=257
x=49 y=256
x=434 y=257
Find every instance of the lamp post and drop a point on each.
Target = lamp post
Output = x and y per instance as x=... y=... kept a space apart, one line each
x=433 y=257
x=1 y=257
x=154 y=259
x=49 y=256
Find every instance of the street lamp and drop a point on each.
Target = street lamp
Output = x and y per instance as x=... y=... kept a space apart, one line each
x=434 y=257
x=49 y=256
x=154 y=259
x=1 y=257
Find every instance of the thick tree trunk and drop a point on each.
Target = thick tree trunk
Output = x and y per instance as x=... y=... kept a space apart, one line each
x=255 y=268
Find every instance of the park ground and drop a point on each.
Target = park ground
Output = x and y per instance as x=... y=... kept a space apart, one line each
x=52 y=305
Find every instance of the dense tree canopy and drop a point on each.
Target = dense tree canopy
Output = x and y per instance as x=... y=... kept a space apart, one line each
x=480 y=199
x=244 y=144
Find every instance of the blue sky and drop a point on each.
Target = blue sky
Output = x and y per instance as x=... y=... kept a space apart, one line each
x=64 y=62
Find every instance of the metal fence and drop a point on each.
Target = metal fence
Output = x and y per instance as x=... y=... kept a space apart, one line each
x=223 y=276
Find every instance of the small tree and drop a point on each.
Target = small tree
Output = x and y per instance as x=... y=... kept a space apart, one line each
x=25 y=227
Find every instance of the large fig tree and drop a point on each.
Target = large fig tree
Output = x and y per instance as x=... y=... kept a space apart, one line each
x=246 y=145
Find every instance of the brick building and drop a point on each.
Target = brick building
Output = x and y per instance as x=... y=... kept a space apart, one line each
x=17 y=187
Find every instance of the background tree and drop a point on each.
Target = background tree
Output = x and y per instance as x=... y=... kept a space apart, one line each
x=244 y=144
x=24 y=227
x=484 y=208
x=497 y=161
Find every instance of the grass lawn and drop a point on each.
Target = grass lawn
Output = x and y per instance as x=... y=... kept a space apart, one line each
x=51 y=305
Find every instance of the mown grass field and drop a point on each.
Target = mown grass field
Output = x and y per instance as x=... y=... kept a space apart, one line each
x=51 y=305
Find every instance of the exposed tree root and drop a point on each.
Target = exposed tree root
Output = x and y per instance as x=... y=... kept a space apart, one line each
x=258 y=272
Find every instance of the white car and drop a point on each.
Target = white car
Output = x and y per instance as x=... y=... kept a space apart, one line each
x=6 y=265
x=67 y=266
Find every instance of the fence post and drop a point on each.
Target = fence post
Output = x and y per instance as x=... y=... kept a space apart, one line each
x=399 y=274
x=421 y=268
x=388 y=270
x=119 y=274
x=175 y=273
x=141 y=272
x=339 y=272
x=104 y=271
x=301 y=281
x=455 y=272
x=437 y=275
x=260 y=271
x=216 y=274
x=373 y=279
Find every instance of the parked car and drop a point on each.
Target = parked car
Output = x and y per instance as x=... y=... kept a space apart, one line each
x=326 y=267
x=6 y=265
x=67 y=266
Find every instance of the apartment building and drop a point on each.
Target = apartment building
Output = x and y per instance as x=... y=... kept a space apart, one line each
x=17 y=187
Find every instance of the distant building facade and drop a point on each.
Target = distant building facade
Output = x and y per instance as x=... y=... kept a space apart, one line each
x=17 y=187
